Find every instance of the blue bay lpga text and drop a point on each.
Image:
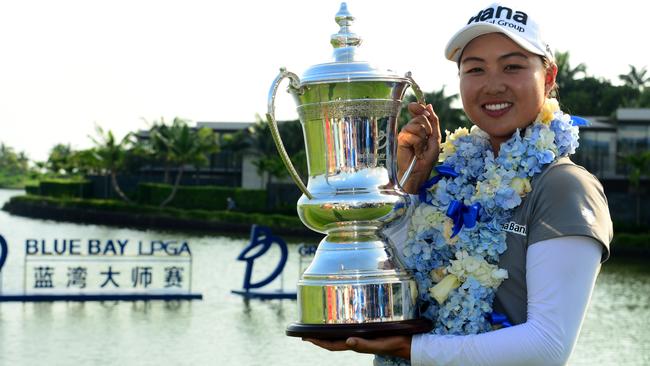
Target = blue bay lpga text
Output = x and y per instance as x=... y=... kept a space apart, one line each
x=108 y=247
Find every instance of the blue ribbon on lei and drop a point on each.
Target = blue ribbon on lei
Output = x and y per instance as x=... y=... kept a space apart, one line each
x=579 y=121
x=499 y=320
x=463 y=215
x=444 y=171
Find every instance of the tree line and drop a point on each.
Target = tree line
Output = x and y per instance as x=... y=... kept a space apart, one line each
x=176 y=146
x=172 y=146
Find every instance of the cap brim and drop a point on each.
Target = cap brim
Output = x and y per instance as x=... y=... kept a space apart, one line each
x=459 y=40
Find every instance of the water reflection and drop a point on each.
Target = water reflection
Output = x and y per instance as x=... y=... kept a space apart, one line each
x=276 y=307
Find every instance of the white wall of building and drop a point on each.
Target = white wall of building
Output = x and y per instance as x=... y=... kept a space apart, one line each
x=249 y=177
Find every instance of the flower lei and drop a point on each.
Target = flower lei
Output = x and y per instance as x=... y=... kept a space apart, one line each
x=455 y=235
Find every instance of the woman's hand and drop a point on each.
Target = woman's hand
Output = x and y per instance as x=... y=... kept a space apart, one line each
x=399 y=346
x=421 y=138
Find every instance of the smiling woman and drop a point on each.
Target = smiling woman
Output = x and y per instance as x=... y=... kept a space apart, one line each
x=503 y=251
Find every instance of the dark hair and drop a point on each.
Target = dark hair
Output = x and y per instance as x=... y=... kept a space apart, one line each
x=547 y=64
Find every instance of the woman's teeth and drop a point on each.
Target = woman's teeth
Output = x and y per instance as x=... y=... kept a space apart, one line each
x=497 y=107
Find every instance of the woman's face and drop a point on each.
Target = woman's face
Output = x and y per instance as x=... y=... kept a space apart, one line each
x=503 y=86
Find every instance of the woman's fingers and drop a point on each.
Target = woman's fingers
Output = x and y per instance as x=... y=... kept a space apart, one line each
x=364 y=345
x=416 y=109
x=395 y=346
x=434 y=123
x=334 y=345
x=420 y=126
x=408 y=142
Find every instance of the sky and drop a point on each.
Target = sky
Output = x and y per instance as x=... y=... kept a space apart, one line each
x=67 y=65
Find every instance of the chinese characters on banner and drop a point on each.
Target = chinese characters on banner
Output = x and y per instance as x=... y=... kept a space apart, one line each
x=94 y=266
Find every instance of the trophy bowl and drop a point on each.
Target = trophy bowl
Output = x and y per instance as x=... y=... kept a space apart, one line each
x=355 y=285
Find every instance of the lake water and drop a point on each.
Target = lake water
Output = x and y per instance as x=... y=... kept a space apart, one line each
x=222 y=329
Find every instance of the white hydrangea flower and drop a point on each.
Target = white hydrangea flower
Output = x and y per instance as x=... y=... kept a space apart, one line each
x=476 y=131
x=424 y=217
x=465 y=265
x=447 y=230
x=546 y=139
x=521 y=186
x=447 y=146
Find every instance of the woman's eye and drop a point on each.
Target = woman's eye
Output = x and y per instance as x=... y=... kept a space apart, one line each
x=473 y=70
x=513 y=67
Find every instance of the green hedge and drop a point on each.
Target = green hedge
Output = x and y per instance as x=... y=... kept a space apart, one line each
x=63 y=188
x=632 y=241
x=203 y=197
x=630 y=227
x=32 y=189
x=271 y=220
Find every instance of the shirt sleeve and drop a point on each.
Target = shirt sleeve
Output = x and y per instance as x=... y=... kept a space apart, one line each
x=561 y=274
x=397 y=231
x=570 y=202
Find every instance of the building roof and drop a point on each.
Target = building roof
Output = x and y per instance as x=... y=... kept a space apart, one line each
x=225 y=126
x=599 y=123
x=229 y=126
x=633 y=114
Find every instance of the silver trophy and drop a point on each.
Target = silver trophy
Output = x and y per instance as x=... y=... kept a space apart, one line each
x=348 y=109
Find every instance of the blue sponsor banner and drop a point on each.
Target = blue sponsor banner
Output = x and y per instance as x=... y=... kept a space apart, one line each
x=106 y=266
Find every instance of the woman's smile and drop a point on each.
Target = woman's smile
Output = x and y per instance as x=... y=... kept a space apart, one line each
x=497 y=109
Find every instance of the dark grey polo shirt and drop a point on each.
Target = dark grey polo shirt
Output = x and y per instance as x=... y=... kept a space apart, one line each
x=566 y=200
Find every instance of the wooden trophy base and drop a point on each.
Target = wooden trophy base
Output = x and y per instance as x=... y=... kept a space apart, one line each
x=364 y=330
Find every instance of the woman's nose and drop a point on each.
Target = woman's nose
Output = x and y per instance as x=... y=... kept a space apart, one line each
x=495 y=85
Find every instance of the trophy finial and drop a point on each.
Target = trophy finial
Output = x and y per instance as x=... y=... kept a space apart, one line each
x=344 y=38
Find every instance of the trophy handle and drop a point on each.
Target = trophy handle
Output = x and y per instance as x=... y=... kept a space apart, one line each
x=420 y=98
x=294 y=84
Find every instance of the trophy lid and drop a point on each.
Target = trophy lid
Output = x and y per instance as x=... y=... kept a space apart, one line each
x=345 y=67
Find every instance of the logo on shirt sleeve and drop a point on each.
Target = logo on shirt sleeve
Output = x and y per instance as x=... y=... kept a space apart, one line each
x=588 y=215
x=513 y=227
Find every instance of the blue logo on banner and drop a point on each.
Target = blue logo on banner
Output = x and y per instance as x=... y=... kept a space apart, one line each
x=262 y=239
x=3 y=251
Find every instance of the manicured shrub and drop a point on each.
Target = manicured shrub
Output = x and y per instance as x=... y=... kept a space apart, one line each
x=65 y=188
x=32 y=189
x=203 y=197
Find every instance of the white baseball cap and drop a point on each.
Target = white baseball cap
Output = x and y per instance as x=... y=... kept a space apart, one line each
x=514 y=23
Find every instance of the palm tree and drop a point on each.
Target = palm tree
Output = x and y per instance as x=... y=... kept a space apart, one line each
x=85 y=162
x=636 y=79
x=60 y=159
x=159 y=135
x=187 y=146
x=565 y=73
x=110 y=153
x=272 y=165
x=257 y=140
